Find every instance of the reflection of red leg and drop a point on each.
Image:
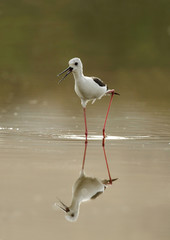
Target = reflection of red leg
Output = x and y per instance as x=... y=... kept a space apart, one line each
x=85 y=121
x=110 y=179
x=84 y=157
x=112 y=92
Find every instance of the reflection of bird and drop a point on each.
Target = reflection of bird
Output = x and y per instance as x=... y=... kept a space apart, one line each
x=84 y=189
x=87 y=88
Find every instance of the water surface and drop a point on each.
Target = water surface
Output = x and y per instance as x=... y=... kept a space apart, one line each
x=41 y=155
x=126 y=44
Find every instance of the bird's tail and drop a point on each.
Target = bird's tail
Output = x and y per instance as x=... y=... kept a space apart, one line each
x=112 y=91
x=107 y=182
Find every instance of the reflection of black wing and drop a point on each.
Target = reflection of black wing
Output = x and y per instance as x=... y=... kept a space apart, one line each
x=96 y=195
x=99 y=81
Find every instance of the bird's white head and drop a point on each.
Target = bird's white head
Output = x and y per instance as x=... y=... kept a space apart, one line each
x=72 y=216
x=71 y=213
x=76 y=65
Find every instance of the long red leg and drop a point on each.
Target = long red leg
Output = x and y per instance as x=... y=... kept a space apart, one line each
x=84 y=157
x=107 y=164
x=85 y=121
x=112 y=93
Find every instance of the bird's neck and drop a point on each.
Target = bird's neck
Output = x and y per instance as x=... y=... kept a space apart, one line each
x=75 y=205
x=78 y=75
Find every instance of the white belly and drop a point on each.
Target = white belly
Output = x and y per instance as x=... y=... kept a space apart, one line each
x=87 y=89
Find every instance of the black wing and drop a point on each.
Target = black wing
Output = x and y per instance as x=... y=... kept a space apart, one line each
x=96 y=195
x=99 y=81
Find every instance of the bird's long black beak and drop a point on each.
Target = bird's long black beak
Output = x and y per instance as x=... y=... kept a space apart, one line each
x=68 y=70
x=63 y=207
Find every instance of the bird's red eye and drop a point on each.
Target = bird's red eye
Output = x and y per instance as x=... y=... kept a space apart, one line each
x=76 y=63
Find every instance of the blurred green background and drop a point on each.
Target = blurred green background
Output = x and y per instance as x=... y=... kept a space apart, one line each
x=125 y=43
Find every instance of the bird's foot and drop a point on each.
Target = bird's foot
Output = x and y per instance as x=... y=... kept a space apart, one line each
x=104 y=136
x=103 y=142
x=86 y=137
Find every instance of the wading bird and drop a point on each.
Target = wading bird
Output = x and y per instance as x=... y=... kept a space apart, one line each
x=87 y=88
x=85 y=188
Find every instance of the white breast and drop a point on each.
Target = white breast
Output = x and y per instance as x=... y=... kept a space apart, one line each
x=87 y=89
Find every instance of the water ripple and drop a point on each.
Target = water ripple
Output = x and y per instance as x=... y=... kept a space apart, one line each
x=99 y=137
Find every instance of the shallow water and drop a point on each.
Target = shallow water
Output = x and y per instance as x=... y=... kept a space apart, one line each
x=42 y=148
x=126 y=44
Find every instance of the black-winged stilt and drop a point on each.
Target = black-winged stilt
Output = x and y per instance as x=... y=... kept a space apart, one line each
x=87 y=88
x=84 y=189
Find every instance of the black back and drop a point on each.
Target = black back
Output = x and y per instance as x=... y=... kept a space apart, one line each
x=99 y=81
